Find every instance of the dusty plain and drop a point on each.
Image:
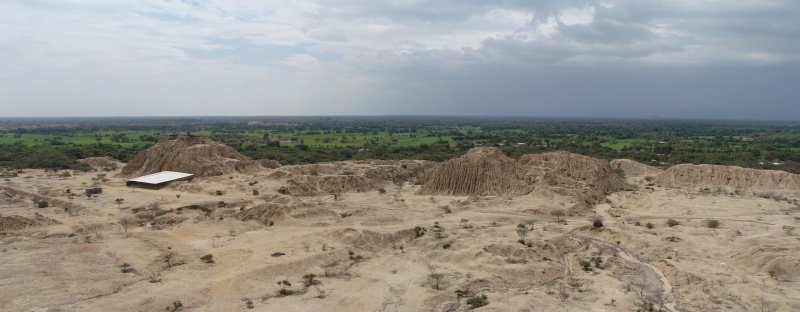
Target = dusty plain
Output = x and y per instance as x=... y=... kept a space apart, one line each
x=390 y=247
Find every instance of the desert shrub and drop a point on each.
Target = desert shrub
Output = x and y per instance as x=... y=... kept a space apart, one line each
x=586 y=265
x=712 y=224
x=447 y=209
x=419 y=231
x=597 y=223
x=43 y=204
x=255 y=192
x=776 y=272
x=637 y=223
x=477 y=301
x=381 y=191
x=207 y=258
x=127 y=268
x=649 y=225
x=283 y=190
x=283 y=291
x=597 y=261
x=446 y=246
x=522 y=231
x=176 y=306
x=219 y=192
x=310 y=279
x=249 y=304
x=221 y=204
x=672 y=222
x=154 y=277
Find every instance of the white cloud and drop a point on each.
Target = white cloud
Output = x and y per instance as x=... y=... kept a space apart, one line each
x=303 y=61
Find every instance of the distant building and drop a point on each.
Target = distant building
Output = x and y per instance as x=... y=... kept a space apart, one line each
x=159 y=179
x=94 y=191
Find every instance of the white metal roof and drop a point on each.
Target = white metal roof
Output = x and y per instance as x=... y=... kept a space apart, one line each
x=161 y=177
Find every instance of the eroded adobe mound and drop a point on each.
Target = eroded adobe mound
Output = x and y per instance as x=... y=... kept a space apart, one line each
x=688 y=175
x=196 y=155
x=349 y=176
x=487 y=171
x=481 y=171
x=14 y=223
x=589 y=179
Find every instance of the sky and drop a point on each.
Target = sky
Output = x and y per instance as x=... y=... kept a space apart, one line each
x=622 y=59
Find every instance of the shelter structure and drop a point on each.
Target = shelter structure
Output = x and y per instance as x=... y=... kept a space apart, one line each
x=159 y=179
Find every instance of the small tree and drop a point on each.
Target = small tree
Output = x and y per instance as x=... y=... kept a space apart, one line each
x=436 y=277
x=310 y=279
x=125 y=223
x=558 y=213
x=328 y=266
x=522 y=232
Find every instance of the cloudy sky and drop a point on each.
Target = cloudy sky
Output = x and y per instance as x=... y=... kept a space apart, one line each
x=672 y=58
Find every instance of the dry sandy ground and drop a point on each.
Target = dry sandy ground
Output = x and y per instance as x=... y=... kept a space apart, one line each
x=367 y=245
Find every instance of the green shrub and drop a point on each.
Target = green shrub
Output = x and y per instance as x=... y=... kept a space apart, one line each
x=586 y=265
x=477 y=301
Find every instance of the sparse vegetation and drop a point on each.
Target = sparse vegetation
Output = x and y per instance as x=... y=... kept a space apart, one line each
x=42 y=204
x=310 y=279
x=284 y=291
x=597 y=222
x=649 y=225
x=712 y=224
x=672 y=222
x=478 y=301
x=419 y=231
x=586 y=265
x=558 y=213
x=207 y=258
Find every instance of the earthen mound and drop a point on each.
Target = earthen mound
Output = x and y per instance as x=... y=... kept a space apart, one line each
x=196 y=155
x=481 y=171
x=15 y=223
x=589 y=179
x=263 y=213
x=634 y=169
x=349 y=176
x=688 y=175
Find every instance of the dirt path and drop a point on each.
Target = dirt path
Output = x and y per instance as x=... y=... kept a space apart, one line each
x=602 y=211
